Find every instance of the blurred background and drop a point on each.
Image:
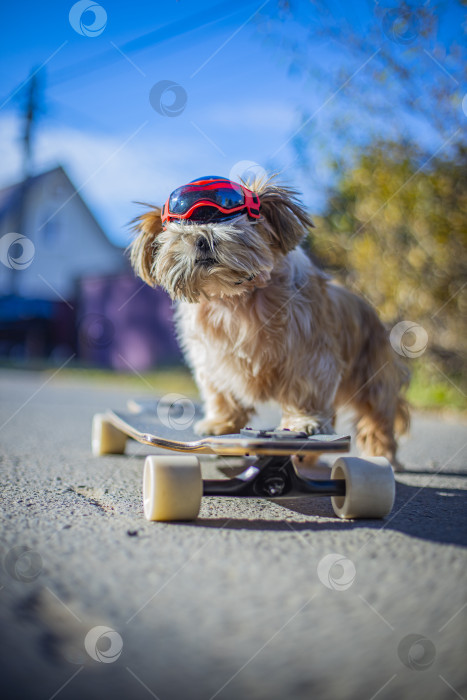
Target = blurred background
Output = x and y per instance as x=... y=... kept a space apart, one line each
x=361 y=106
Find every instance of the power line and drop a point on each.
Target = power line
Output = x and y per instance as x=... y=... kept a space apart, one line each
x=152 y=38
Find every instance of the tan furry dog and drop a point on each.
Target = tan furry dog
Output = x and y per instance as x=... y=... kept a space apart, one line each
x=258 y=321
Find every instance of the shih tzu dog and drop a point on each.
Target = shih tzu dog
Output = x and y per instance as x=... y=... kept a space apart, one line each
x=258 y=320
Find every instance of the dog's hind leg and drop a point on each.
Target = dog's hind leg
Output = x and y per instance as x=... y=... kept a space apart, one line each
x=380 y=412
x=375 y=432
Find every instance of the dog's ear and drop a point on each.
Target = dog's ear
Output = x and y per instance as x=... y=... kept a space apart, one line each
x=285 y=217
x=143 y=248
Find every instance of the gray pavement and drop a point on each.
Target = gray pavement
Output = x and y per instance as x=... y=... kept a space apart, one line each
x=249 y=601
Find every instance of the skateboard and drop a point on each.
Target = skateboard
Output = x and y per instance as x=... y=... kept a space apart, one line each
x=173 y=485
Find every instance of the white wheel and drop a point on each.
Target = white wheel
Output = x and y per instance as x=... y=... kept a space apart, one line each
x=172 y=488
x=106 y=438
x=369 y=487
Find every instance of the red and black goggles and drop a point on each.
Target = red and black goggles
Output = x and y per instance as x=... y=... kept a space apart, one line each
x=210 y=199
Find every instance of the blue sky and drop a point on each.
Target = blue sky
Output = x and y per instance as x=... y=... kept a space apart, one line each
x=240 y=101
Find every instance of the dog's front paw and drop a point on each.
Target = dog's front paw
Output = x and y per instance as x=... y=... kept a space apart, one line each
x=311 y=425
x=215 y=426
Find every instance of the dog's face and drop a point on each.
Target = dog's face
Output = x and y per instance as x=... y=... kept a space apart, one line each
x=222 y=259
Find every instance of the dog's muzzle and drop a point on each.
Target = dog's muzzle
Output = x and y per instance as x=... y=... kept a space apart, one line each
x=204 y=254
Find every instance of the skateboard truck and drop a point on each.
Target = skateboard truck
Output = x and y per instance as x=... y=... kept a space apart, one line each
x=272 y=477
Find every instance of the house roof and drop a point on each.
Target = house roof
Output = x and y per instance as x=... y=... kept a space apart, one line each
x=10 y=197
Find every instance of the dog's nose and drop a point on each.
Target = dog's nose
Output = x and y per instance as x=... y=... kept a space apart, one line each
x=202 y=244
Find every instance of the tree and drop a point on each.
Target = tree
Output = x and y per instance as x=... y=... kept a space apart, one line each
x=395 y=230
x=372 y=70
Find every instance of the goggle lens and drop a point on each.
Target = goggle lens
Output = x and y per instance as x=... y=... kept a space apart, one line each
x=182 y=199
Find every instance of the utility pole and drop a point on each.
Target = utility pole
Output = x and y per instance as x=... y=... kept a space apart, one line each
x=30 y=109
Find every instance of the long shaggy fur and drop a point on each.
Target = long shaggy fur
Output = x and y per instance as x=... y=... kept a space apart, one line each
x=258 y=321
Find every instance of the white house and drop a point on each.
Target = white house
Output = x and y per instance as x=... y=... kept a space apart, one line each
x=49 y=239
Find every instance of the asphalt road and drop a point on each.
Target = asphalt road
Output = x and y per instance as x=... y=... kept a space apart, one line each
x=254 y=600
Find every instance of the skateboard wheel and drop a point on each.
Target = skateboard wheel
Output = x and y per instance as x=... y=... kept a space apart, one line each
x=106 y=438
x=369 y=487
x=172 y=488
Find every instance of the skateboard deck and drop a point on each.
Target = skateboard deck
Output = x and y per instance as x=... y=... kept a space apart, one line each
x=170 y=426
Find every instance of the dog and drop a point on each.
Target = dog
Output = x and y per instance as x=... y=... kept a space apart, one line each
x=258 y=321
